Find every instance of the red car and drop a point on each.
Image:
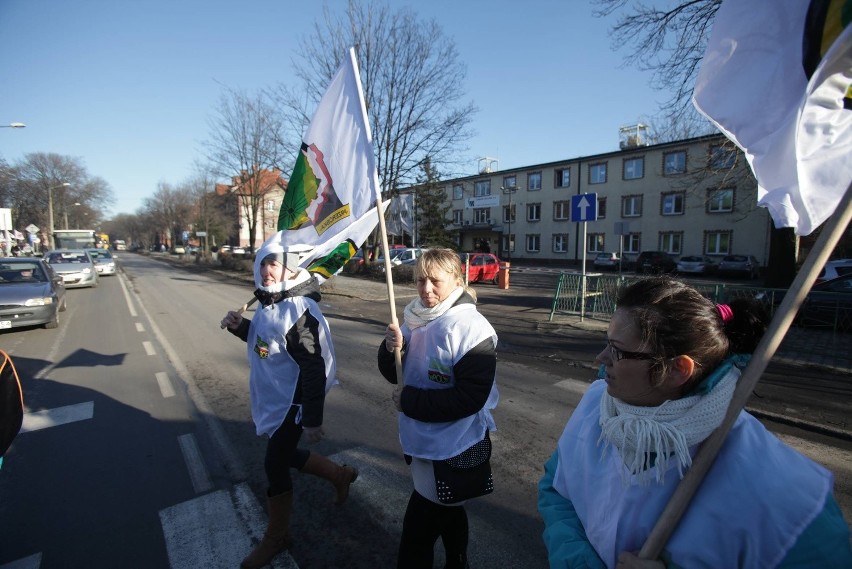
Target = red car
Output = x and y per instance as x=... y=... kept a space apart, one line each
x=483 y=267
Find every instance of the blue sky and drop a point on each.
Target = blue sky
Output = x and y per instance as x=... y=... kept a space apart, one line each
x=128 y=86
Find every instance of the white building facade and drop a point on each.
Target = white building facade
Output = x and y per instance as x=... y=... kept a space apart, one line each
x=690 y=197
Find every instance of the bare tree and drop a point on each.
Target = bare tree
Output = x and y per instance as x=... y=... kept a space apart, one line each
x=209 y=213
x=170 y=209
x=246 y=143
x=411 y=76
x=669 y=42
x=37 y=184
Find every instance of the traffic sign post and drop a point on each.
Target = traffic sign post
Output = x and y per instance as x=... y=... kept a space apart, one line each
x=584 y=208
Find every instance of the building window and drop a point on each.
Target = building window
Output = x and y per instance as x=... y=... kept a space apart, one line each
x=722 y=156
x=534 y=212
x=596 y=243
x=633 y=243
x=601 y=208
x=720 y=201
x=482 y=188
x=717 y=242
x=634 y=168
x=674 y=163
x=509 y=242
x=671 y=242
x=561 y=211
x=631 y=206
x=270 y=205
x=560 y=242
x=533 y=242
x=482 y=215
x=458 y=215
x=562 y=178
x=672 y=204
x=458 y=192
x=534 y=181
x=510 y=182
x=597 y=173
x=509 y=214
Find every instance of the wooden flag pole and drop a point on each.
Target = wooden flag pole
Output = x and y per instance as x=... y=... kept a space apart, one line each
x=243 y=308
x=397 y=353
x=831 y=233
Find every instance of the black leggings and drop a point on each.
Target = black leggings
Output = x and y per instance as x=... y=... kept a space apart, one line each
x=424 y=522
x=282 y=454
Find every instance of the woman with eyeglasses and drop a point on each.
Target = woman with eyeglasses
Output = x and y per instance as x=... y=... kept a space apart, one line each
x=667 y=374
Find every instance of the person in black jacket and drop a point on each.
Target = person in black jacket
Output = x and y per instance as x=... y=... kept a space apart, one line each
x=292 y=366
x=448 y=391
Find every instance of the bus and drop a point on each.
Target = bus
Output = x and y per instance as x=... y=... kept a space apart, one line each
x=74 y=238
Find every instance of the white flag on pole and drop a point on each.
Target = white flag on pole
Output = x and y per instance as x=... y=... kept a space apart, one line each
x=776 y=79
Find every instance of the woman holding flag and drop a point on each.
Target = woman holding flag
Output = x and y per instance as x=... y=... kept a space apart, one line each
x=445 y=402
x=292 y=366
x=668 y=372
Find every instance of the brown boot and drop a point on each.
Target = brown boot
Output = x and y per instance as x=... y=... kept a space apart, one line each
x=340 y=476
x=277 y=536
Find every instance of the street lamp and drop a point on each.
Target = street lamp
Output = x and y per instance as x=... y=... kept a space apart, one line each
x=509 y=191
x=50 y=212
x=13 y=125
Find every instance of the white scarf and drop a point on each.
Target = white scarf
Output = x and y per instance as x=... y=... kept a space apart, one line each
x=668 y=431
x=416 y=314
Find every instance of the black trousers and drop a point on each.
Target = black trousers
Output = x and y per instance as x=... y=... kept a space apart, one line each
x=424 y=523
x=282 y=454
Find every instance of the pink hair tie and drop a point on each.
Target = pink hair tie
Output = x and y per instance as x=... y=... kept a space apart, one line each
x=725 y=312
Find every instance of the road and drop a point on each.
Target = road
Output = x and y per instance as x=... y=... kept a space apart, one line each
x=158 y=464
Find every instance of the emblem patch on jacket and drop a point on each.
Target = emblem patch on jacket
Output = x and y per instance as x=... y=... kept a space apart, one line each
x=261 y=348
x=438 y=372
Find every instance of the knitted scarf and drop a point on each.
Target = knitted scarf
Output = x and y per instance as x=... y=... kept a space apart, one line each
x=648 y=438
x=417 y=315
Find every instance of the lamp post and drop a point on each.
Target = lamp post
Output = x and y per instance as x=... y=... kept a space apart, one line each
x=50 y=238
x=509 y=191
x=13 y=125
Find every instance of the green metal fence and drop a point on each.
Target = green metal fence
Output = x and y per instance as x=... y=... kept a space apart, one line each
x=829 y=312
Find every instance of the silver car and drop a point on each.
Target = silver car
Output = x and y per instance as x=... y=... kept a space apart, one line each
x=104 y=261
x=75 y=266
x=696 y=265
x=31 y=294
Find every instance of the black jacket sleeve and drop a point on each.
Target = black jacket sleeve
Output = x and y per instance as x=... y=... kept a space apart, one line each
x=242 y=330
x=303 y=345
x=387 y=363
x=474 y=374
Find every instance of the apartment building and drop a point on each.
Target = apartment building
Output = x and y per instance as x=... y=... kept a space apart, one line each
x=689 y=197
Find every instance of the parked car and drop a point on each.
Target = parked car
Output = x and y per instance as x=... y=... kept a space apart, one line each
x=238 y=250
x=400 y=256
x=740 y=265
x=696 y=265
x=835 y=268
x=480 y=267
x=655 y=262
x=75 y=266
x=178 y=250
x=31 y=293
x=605 y=261
x=356 y=263
x=104 y=261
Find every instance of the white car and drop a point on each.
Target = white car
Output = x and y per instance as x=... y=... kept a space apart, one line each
x=104 y=261
x=835 y=268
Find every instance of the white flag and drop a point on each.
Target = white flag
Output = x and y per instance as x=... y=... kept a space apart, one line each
x=776 y=80
x=334 y=180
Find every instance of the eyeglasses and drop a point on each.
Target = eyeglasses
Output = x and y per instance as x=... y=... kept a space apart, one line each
x=619 y=355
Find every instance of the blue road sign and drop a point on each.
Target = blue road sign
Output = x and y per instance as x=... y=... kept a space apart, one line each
x=584 y=207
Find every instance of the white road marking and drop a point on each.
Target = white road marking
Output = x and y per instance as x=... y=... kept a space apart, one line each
x=573 y=385
x=149 y=348
x=165 y=384
x=31 y=562
x=215 y=530
x=198 y=473
x=127 y=298
x=59 y=416
x=140 y=327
